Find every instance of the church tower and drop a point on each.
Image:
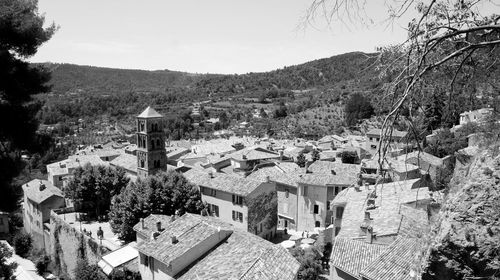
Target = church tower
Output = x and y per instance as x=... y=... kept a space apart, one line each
x=151 y=154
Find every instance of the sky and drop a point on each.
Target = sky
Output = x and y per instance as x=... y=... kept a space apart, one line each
x=202 y=36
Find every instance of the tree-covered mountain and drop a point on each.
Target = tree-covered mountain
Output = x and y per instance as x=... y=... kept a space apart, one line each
x=69 y=78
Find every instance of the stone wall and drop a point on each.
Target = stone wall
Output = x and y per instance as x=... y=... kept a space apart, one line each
x=67 y=244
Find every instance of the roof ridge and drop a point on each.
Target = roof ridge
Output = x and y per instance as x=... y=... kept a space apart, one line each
x=254 y=262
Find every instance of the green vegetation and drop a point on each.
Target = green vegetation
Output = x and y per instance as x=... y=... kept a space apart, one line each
x=86 y=271
x=42 y=264
x=349 y=157
x=310 y=264
x=164 y=193
x=92 y=187
x=6 y=269
x=357 y=108
x=301 y=160
x=23 y=243
x=263 y=208
x=22 y=33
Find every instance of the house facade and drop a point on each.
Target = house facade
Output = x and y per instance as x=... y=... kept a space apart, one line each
x=40 y=196
x=239 y=201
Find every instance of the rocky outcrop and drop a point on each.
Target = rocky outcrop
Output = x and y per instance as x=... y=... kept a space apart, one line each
x=465 y=241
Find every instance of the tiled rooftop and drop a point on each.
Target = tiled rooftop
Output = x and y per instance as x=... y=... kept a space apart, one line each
x=242 y=255
x=423 y=156
x=245 y=256
x=223 y=182
x=254 y=153
x=387 y=216
x=33 y=192
x=347 y=170
x=150 y=224
x=150 y=113
x=126 y=161
x=352 y=256
x=395 y=262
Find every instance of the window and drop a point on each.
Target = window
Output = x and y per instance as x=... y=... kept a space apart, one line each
x=237 y=199
x=373 y=146
x=317 y=224
x=316 y=209
x=260 y=225
x=337 y=190
x=158 y=143
x=213 y=192
x=238 y=216
x=213 y=210
x=327 y=205
x=339 y=212
x=304 y=190
x=287 y=193
x=153 y=144
x=142 y=163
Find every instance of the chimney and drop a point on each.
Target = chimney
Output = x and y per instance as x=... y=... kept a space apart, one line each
x=42 y=186
x=158 y=226
x=369 y=235
x=172 y=218
x=174 y=239
x=268 y=179
x=211 y=175
x=367 y=216
x=366 y=186
x=142 y=223
x=244 y=157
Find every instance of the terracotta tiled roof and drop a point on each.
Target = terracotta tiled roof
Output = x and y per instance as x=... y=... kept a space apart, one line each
x=33 y=192
x=245 y=256
x=422 y=156
x=386 y=217
x=241 y=255
x=126 y=161
x=352 y=256
x=254 y=153
x=223 y=182
x=150 y=224
x=150 y=113
x=395 y=262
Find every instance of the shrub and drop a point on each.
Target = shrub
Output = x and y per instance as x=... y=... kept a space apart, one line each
x=41 y=265
x=23 y=244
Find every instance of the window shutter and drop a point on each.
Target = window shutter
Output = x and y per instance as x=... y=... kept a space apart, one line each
x=241 y=217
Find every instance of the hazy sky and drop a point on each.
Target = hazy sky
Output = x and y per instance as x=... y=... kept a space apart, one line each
x=216 y=36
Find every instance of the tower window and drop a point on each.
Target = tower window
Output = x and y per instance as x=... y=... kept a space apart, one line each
x=158 y=143
x=142 y=163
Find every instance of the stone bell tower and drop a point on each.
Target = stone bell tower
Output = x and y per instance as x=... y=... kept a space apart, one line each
x=151 y=154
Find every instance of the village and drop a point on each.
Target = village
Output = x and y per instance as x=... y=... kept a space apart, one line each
x=263 y=197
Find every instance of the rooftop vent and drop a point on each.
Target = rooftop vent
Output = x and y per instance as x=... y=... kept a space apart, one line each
x=333 y=172
x=211 y=174
x=42 y=186
x=158 y=226
x=155 y=235
x=244 y=156
x=174 y=239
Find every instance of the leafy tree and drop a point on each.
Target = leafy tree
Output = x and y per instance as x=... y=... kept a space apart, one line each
x=86 y=271
x=125 y=274
x=94 y=186
x=315 y=155
x=6 y=269
x=281 y=112
x=224 y=120
x=263 y=113
x=23 y=244
x=310 y=263
x=42 y=264
x=349 y=157
x=301 y=160
x=22 y=33
x=434 y=111
x=357 y=108
x=164 y=193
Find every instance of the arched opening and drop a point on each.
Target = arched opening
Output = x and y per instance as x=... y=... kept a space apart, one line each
x=317 y=224
x=158 y=143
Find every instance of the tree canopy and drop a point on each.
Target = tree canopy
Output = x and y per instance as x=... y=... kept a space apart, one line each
x=21 y=33
x=6 y=269
x=164 y=193
x=357 y=108
x=92 y=187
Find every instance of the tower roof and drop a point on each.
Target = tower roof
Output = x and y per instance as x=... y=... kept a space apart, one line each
x=150 y=113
